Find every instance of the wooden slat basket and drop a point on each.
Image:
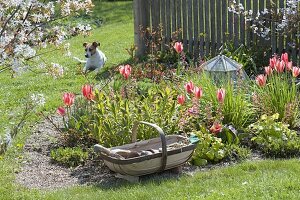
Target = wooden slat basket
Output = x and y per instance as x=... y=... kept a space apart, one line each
x=166 y=154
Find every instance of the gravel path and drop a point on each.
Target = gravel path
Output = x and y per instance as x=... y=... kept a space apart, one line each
x=39 y=172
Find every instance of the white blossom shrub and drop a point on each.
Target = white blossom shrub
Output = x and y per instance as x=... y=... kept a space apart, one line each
x=26 y=25
x=285 y=20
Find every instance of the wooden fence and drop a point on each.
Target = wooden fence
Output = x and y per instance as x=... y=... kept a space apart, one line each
x=205 y=25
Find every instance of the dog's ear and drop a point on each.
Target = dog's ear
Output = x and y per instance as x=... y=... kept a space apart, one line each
x=96 y=44
x=85 y=44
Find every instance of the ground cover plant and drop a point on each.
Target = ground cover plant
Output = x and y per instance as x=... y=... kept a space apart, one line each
x=191 y=104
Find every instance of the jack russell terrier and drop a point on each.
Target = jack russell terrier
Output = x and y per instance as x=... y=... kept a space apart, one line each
x=95 y=58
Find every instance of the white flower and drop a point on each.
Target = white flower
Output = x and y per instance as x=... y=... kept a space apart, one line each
x=38 y=99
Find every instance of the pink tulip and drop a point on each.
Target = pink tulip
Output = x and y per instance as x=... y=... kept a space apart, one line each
x=181 y=99
x=261 y=80
x=189 y=87
x=87 y=92
x=61 y=111
x=178 y=46
x=289 y=66
x=285 y=57
x=198 y=92
x=268 y=70
x=221 y=95
x=125 y=71
x=216 y=128
x=279 y=67
x=68 y=98
x=296 y=71
x=273 y=62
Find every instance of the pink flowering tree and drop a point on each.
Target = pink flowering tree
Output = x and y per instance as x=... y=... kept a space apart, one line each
x=27 y=25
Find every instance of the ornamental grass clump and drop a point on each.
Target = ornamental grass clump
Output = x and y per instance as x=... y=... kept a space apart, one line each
x=276 y=90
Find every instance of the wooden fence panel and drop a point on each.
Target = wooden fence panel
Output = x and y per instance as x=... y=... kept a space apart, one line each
x=190 y=25
x=249 y=37
x=219 y=23
x=207 y=28
x=184 y=23
x=205 y=25
x=201 y=27
x=163 y=23
x=179 y=16
x=242 y=26
x=280 y=37
x=224 y=21
x=196 y=26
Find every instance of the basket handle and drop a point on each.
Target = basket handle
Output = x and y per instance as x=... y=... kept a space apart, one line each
x=162 y=138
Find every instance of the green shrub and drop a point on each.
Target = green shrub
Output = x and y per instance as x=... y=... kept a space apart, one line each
x=274 y=138
x=210 y=149
x=70 y=157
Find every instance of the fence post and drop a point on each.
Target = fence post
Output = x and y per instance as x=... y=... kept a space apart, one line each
x=141 y=20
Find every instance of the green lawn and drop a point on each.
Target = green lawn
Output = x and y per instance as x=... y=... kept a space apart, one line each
x=266 y=179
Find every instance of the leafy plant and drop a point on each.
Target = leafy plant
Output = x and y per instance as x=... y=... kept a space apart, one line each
x=209 y=148
x=114 y=115
x=275 y=138
x=70 y=157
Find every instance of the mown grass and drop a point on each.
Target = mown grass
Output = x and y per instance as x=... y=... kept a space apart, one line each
x=268 y=179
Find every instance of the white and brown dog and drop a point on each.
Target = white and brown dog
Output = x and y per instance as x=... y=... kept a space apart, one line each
x=95 y=58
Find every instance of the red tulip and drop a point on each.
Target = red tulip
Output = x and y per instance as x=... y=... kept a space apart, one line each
x=181 y=99
x=61 y=111
x=296 y=71
x=279 y=67
x=285 y=57
x=68 y=98
x=198 y=92
x=289 y=66
x=189 y=87
x=268 y=70
x=221 y=95
x=261 y=80
x=87 y=92
x=178 y=46
x=273 y=62
x=125 y=71
x=216 y=128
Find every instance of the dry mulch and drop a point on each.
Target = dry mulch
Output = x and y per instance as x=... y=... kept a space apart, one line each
x=39 y=172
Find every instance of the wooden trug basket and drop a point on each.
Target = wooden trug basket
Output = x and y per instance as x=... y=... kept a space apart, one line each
x=160 y=161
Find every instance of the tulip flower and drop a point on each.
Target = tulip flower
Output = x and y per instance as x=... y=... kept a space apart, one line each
x=289 y=66
x=87 y=92
x=285 y=57
x=273 y=62
x=125 y=71
x=279 y=67
x=221 y=95
x=216 y=128
x=189 y=87
x=296 y=71
x=198 y=92
x=181 y=99
x=61 y=111
x=68 y=98
x=261 y=80
x=268 y=70
x=178 y=46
